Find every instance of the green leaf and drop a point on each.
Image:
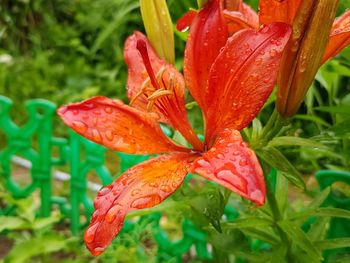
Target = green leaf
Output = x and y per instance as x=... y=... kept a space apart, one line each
x=36 y=246
x=333 y=243
x=300 y=239
x=279 y=253
x=262 y=234
x=10 y=223
x=319 y=199
x=277 y=160
x=339 y=109
x=324 y=212
x=249 y=222
x=312 y=118
x=295 y=141
x=318 y=230
x=282 y=193
x=342 y=128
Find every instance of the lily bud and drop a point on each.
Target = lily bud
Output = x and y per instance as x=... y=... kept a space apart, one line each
x=159 y=28
x=304 y=52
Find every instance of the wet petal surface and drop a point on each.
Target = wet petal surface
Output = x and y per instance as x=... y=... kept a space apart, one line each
x=232 y=164
x=143 y=186
x=117 y=126
x=340 y=36
x=278 y=11
x=243 y=77
x=208 y=34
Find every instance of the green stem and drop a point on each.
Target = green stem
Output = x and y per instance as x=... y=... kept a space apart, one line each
x=277 y=216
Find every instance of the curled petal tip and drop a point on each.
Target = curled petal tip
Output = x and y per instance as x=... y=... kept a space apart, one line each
x=62 y=110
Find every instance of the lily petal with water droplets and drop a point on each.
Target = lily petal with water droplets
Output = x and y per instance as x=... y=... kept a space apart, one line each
x=143 y=186
x=340 y=36
x=284 y=11
x=232 y=164
x=243 y=76
x=208 y=34
x=117 y=126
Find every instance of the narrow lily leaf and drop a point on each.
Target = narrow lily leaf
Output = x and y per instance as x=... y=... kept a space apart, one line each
x=143 y=186
x=279 y=253
x=282 y=192
x=295 y=141
x=340 y=36
x=277 y=160
x=300 y=239
x=319 y=200
x=262 y=234
x=322 y=212
x=319 y=229
x=232 y=164
x=251 y=222
x=117 y=126
x=333 y=243
x=243 y=77
x=159 y=27
x=303 y=54
x=278 y=11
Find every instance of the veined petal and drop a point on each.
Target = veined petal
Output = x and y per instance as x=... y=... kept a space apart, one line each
x=162 y=92
x=243 y=76
x=208 y=34
x=231 y=163
x=137 y=73
x=278 y=11
x=143 y=186
x=340 y=36
x=117 y=126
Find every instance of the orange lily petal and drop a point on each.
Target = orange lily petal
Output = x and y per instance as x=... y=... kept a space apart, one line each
x=243 y=76
x=232 y=164
x=340 y=36
x=186 y=20
x=208 y=34
x=242 y=19
x=137 y=73
x=117 y=126
x=143 y=186
x=162 y=90
x=278 y=11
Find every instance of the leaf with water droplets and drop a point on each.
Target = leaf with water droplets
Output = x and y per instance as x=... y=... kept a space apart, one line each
x=143 y=186
x=117 y=126
x=284 y=11
x=340 y=36
x=208 y=34
x=234 y=165
x=243 y=77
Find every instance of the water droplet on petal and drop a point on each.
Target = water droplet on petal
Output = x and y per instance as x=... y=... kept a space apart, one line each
x=104 y=191
x=89 y=235
x=146 y=201
x=243 y=162
x=112 y=213
x=135 y=192
x=109 y=135
x=79 y=126
x=108 y=110
x=96 y=136
x=166 y=188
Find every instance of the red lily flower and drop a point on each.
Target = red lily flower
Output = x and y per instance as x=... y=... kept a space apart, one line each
x=230 y=78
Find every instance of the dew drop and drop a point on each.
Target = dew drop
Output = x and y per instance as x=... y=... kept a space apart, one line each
x=109 y=135
x=108 y=110
x=79 y=126
x=75 y=112
x=135 y=192
x=243 y=162
x=96 y=112
x=146 y=201
x=104 y=191
x=112 y=213
x=220 y=156
x=166 y=188
x=89 y=235
x=153 y=184
x=96 y=136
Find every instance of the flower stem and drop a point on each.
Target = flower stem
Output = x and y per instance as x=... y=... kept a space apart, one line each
x=277 y=216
